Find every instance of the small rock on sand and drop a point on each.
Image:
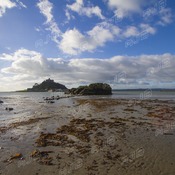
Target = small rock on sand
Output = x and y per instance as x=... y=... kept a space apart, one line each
x=9 y=109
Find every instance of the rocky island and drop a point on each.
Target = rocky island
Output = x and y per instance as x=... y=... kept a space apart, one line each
x=92 y=89
x=47 y=85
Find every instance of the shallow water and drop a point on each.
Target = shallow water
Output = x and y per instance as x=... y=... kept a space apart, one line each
x=27 y=104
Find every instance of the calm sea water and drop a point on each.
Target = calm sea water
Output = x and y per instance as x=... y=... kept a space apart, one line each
x=140 y=94
x=145 y=94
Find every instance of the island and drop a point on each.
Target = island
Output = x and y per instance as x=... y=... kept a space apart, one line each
x=92 y=89
x=47 y=85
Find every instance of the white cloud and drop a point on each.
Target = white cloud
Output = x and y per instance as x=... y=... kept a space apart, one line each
x=79 y=7
x=4 y=5
x=68 y=15
x=166 y=16
x=147 y=28
x=74 y=42
x=21 y=53
x=126 y=8
x=132 y=31
x=29 y=66
x=123 y=8
x=163 y=13
x=46 y=9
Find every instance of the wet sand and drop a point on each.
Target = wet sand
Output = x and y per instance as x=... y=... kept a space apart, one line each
x=84 y=136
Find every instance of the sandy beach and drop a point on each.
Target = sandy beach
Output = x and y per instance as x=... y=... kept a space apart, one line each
x=87 y=136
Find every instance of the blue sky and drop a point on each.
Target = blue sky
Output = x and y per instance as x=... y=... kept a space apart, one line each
x=127 y=43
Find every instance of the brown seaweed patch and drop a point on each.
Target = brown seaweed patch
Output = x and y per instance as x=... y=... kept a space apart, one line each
x=42 y=157
x=81 y=129
x=52 y=139
x=100 y=104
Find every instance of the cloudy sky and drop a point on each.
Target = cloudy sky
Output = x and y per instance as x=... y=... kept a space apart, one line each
x=127 y=43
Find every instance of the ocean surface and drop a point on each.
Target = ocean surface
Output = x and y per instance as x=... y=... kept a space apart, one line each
x=145 y=94
x=140 y=94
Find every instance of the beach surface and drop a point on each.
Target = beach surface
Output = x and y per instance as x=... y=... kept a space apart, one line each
x=87 y=136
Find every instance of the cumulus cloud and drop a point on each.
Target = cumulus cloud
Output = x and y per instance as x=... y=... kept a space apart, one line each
x=74 y=42
x=118 y=70
x=80 y=8
x=4 y=5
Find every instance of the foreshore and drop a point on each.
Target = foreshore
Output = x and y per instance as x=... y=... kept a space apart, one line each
x=84 y=136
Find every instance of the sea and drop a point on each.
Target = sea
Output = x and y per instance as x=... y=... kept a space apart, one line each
x=118 y=94
x=30 y=104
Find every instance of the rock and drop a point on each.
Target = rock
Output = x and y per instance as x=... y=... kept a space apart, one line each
x=92 y=89
x=16 y=156
x=52 y=98
x=58 y=97
x=51 y=102
x=1 y=102
x=9 y=109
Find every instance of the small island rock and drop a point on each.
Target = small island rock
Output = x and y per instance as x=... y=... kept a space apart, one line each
x=92 y=89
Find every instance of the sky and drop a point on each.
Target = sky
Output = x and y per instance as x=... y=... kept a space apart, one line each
x=125 y=43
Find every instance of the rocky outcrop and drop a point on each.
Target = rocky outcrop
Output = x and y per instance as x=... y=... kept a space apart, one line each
x=92 y=89
x=47 y=85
